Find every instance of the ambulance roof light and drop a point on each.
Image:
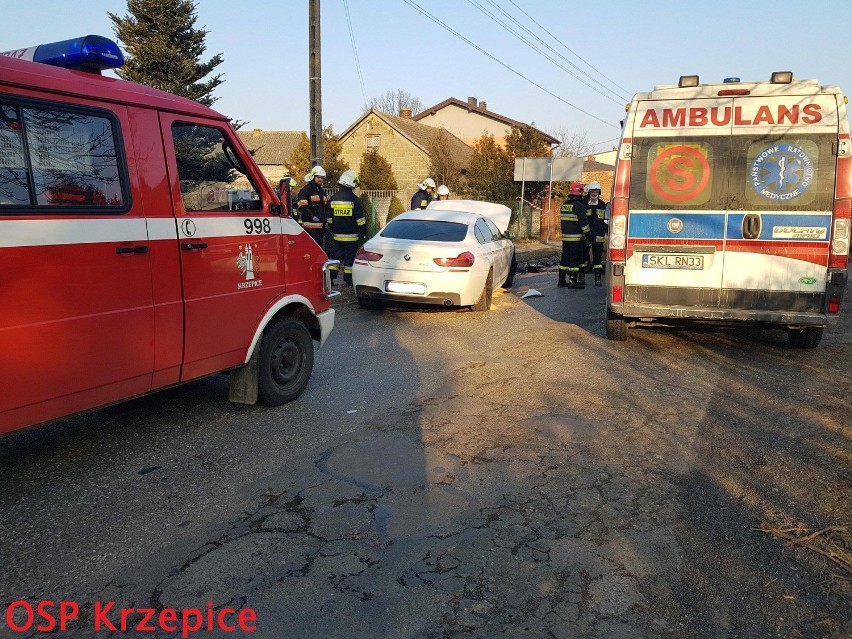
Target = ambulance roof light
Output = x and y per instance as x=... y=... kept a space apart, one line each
x=687 y=81
x=88 y=53
x=782 y=77
x=730 y=80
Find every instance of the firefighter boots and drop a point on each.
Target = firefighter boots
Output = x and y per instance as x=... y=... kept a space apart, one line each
x=562 y=283
x=598 y=278
x=574 y=280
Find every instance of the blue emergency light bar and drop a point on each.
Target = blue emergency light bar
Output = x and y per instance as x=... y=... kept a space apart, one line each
x=88 y=53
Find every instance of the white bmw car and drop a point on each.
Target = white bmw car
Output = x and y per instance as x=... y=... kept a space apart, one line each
x=453 y=253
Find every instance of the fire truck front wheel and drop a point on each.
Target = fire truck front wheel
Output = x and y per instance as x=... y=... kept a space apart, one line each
x=286 y=361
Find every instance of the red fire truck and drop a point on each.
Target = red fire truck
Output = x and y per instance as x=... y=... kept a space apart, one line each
x=130 y=261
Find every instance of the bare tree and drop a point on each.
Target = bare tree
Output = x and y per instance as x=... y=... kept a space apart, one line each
x=573 y=144
x=392 y=102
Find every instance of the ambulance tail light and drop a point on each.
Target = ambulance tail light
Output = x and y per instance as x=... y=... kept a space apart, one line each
x=834 y=304
x=618 y=230
x=88 y=53
x=840 y=234
x=616 y=294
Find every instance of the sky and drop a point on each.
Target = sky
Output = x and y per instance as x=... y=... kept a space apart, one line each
x=588 y=62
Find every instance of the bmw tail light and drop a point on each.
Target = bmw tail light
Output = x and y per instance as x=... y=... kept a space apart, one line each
x=463 y=260
x=367 y=256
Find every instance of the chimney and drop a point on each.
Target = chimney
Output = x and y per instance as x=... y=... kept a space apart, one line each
x=471 y=101
x=405 y=113
x=483 y=106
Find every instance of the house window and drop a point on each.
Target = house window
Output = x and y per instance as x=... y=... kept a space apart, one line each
x=373 y=142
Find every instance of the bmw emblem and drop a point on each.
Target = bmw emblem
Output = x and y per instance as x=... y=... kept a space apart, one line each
x=675 y=225
x=406 y=257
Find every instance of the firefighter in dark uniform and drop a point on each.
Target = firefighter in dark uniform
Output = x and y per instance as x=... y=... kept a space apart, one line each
x=422 y=198
x=596 y=210
x=576 y=238
x=347 y=225
x=311 y=203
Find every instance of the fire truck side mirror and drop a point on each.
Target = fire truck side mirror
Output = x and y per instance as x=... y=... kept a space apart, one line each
x=284 y=190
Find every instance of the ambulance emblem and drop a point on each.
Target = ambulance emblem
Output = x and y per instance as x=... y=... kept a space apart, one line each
x=782 y=172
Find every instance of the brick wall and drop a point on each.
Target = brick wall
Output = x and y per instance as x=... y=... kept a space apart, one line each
x=409 y=163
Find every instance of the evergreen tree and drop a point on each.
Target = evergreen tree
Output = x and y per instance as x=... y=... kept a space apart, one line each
x=376 y=173
x=300 y=160
x=164 y=48
x=491 y=173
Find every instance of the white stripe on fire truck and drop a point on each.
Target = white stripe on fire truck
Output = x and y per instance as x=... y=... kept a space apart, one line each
x=71 y=231
x=51 y=232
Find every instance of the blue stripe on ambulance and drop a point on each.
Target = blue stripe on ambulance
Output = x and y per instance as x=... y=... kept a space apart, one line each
x=697 y=225
x=771 y=220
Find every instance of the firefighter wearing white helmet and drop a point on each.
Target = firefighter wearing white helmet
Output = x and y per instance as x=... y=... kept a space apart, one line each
x=312 y=204
x=347 y=225
x=443 y=192
x=596 y=210
x=422 y=198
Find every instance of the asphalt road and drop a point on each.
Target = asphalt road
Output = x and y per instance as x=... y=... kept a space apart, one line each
x=450 y=473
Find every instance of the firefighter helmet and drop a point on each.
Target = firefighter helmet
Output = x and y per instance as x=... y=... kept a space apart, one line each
x=428 y=183
x=593 y=186
x=443 y=190
x=576 y=188
x=317 y=171
x=348 y=178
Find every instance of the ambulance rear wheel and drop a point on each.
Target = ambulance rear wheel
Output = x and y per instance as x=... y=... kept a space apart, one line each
x=616 y=327
x=806 y=338
x=286 y=361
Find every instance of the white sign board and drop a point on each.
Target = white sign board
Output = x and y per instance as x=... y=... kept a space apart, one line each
x=539 y=169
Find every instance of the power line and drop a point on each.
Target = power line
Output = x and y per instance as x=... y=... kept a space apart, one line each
x=501 y=63
x=536 y=43
x=355 y=50
x=569 y=48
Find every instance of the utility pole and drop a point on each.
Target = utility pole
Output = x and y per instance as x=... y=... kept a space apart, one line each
x=315 y=81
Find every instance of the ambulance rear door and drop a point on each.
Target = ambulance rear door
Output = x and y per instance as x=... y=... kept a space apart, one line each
x=676 y=228
x=781 y=172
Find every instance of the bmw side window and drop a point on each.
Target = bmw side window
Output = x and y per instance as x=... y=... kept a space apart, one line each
x=57 y=158
x=496 y=235
x=212 y=178
x=483 y=235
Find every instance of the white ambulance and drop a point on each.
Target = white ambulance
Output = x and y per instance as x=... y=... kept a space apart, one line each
x=731 y=205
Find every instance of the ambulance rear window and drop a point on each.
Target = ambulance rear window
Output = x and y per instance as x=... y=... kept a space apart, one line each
x=51 y=157
x=740 y=172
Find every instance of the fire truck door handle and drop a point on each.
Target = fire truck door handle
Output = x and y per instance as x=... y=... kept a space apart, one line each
x=191 y=246
x=123 y=250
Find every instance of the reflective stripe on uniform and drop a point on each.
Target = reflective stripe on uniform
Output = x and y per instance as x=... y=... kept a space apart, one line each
x=347 y=269
x=568 y=218
x=573 y=238
x=334 y=267
x=599 y=238
x=312 y=225
x=361 y=221
x=346 y=237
